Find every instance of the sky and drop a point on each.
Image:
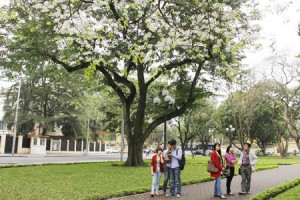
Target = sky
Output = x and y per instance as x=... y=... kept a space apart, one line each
x=279 y=27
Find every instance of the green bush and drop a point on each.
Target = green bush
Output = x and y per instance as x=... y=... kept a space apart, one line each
x=267 y=194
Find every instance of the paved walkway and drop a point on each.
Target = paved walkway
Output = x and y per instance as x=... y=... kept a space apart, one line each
x=261 y=181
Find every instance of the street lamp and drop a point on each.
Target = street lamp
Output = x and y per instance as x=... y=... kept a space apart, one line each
x=168 y=101
x=231 y=129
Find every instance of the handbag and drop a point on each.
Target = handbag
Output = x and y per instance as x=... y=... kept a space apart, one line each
x=212 y=168
x=226 y=172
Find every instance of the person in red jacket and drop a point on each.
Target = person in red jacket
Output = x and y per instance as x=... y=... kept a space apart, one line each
x=216 y=158
x=157 y=169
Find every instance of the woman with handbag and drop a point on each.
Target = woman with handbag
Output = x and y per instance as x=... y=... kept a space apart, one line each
x=216 y=158
x=156 y=170
x=230 y=162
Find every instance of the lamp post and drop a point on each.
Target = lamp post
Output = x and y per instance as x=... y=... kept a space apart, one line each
x=168 y=101
x=231 y=129
x=87 y=134
x=122 y=137
x=16 y=119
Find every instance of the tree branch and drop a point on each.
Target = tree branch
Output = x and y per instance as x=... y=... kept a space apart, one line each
x=87 y=1
x=177 y=112
x=68 y=67
x=112 y=83
x=169 y=67
x=117 y=17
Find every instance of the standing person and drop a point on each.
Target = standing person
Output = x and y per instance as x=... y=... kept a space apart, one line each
x=175 y=181
x=230 y=162
x=216 y=158
x=167 y=155
x=156 y=169
x=247 y=164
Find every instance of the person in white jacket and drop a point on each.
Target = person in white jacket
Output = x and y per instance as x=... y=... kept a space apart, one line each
x=247 y=164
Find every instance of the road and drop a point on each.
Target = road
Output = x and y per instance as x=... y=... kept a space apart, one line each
x=20 y=159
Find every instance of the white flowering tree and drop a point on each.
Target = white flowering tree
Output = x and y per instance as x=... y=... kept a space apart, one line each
x=133 y=46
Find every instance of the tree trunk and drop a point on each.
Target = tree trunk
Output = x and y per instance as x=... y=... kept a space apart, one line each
x=204 y=146
x=192 y=152
x=283 y=148
x=183 y=146
x=135 y=152
x=297 y=142
x=282 y=143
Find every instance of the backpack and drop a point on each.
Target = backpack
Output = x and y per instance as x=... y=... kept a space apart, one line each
x=182 y=161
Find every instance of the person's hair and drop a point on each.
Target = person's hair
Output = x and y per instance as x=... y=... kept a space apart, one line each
x=248 y=144
x=228 y=149
x=215 y=145
x=172 y=142
x=168 y=142
x=158 y=149
x=220 y=153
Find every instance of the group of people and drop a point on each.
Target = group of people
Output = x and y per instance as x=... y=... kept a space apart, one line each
x=167 y=162
x=246 y=164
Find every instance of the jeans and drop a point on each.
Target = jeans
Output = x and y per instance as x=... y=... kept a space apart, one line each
x=229 y=179
x=218 y=189
x=175 y=180
x=155 y=182
x=246 y=172
x=167 y=177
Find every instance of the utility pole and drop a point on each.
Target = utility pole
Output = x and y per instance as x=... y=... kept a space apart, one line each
x=16 y=119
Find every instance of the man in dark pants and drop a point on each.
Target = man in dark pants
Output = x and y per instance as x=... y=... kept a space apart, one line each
x=247 y=164
x=175 y=180
x=167 y=155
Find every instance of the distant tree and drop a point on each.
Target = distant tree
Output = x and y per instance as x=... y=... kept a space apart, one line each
x=45 y=103
x=287 y=93
x=196 y=124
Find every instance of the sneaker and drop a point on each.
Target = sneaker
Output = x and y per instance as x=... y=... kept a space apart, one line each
x=248 y=192
x=223 y=197
x=178 y=195
x=156 y=194
x=152 y=195
x=242 y=193
x=168 y=195
x=230 y=193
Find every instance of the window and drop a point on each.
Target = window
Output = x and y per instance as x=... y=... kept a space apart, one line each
x=42 y=142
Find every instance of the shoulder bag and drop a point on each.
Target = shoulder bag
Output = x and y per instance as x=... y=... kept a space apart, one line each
x=212 y=168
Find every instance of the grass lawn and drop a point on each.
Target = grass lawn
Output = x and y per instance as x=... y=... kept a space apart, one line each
x=291 y=194
x=98 y=180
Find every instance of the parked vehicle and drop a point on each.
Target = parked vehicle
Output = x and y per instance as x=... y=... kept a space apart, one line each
x=147 y=150
x=109 y=150
x=208 y=152
x=260 y=152
x=198 y=152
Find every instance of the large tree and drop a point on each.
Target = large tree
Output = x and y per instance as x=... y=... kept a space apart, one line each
x=285 y=73
x=45 y=103
x=132 y=44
